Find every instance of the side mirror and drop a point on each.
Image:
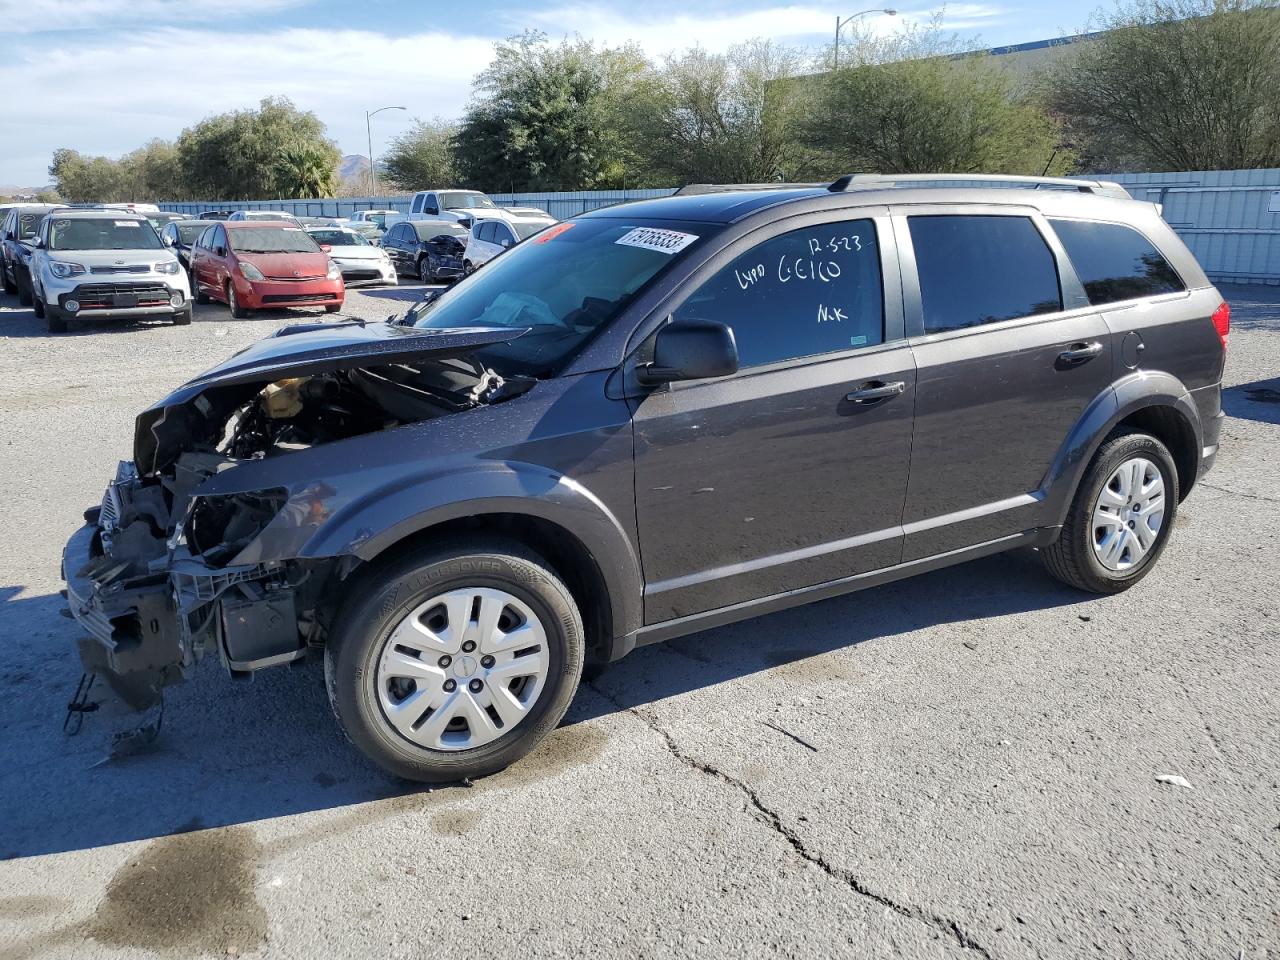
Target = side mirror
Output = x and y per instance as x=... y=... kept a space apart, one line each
x=219 y=251
x=505 y=242
x=168 y=241
x=691 y=350
x=326 y=248
x=37 y=243
x=431 y=211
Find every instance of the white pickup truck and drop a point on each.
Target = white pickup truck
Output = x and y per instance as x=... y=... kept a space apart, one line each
x=464 y=207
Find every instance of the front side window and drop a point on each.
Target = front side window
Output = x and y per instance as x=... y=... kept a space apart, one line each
x=976 y=270
x=565 y=285
x=811 y=291
x=273 y=240
x=1115 y=262
x=82 y=233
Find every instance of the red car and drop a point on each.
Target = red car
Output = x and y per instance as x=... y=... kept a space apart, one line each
x=255 y=265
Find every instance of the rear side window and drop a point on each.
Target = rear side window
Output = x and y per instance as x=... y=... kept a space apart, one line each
x=800 y=294
x=1115 y=262
x=982 y=269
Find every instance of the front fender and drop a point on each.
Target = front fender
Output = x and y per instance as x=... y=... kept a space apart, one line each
x=1135 y=392
x=367 y=526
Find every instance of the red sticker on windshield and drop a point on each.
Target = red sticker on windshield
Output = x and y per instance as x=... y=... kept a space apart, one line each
x=552 y=232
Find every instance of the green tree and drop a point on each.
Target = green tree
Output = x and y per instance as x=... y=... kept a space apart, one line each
x=1176 y=85
x=724 y=118
x=241 y=155
x=305 y=170
x=82 y=179
x=421 y=157
x=917 y=102
x=545 y=116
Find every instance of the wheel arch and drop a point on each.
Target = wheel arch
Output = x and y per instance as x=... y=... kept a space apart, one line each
x=1153 y=402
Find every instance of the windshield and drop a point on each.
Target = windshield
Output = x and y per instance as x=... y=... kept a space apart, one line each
x=456 y=200
x=103 y=234
x=566 y=284
x=338 y=238
x=188 y=231
x=526 y=230
x=271 y=240
x=430 y=229
x=269 y=215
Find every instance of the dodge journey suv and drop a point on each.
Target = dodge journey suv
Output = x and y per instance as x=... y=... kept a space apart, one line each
x=649 y=420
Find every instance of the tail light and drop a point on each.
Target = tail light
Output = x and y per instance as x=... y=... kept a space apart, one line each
x=1222 y=322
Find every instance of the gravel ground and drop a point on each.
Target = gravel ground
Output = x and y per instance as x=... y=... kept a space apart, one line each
x=963 y=764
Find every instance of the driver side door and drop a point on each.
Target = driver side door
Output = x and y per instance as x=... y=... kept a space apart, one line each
x=793 y=471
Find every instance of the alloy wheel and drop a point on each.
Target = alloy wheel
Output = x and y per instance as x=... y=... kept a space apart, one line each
x=1128 y=514
x=462 y=669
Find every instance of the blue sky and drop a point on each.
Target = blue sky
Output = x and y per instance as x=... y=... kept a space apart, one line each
x=104 y=76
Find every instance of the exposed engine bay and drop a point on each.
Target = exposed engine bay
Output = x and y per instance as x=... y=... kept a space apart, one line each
x=162 y=575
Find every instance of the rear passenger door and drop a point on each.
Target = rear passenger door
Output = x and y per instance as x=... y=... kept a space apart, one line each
x=791 y=472
x=1009 y=355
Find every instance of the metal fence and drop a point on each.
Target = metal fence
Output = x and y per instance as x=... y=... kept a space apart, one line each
x=1229 y=218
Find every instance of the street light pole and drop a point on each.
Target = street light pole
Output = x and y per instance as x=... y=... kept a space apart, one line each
x=368 y=129
x=840 y=24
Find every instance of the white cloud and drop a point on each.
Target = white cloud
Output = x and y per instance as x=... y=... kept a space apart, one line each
x=717 y=31
x=108 y=96
x=34 y=16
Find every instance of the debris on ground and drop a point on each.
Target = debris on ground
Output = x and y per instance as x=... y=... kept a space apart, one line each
x=1173 y=780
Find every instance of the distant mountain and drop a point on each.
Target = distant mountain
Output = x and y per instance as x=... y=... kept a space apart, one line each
x=354 y=166
x=14 y=190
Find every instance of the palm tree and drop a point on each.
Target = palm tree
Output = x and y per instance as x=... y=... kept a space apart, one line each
x=306 y=171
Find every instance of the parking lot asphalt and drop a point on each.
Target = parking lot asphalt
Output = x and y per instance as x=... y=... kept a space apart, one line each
x=965 y=764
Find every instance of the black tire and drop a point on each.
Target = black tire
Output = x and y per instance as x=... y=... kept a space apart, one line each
x=182 y=318
x=1072 y=558
x=56 y=319
x=381 y=600
x=9 y=286
x=197 y=294
x=37 y=304
x=237 y=311
x=24 y=290
x=424 y=270
x=332 y=307
x=467 y=268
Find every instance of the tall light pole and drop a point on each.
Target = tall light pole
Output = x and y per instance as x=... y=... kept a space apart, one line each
x=368 y=129
x=841 y=23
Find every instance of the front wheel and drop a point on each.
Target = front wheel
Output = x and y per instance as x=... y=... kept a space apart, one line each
x=1120 y=519
x=332 y=307
x=37 y=304
x=454 y=661
x=237 y=311
x=24 y=290
x=467 y=268
x=56 y=320
x=424 y=270
x=9 y=286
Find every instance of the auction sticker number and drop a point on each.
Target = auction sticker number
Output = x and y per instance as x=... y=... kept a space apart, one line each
x=651 y=238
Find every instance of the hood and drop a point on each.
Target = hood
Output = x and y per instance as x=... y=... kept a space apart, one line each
x=113 y=258
x=354 y=252
x=163 y=430
x=286 y=266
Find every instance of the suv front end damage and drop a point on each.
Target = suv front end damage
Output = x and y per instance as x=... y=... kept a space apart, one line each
x=180 y=561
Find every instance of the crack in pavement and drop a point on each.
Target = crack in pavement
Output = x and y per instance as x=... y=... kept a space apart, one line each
x=1237 y=493
x=771 y=819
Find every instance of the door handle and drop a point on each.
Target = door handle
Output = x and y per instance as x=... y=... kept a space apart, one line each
x=1080 y=352
x=876 y=391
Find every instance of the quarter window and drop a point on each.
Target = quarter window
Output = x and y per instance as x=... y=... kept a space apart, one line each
x=1115 y=262
x=807 y=292
x=982 y=269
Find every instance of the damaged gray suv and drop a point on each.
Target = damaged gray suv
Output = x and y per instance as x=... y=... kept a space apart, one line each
x=650 y=420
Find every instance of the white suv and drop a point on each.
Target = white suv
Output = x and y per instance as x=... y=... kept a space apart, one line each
x=465 y=207
x=492 y=237
x=108 y=264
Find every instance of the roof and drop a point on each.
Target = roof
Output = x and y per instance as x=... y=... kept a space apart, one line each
x=100 y=213
x=723 y=207
x=255 y=224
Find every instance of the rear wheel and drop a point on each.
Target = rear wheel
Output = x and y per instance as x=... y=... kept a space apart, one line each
x=1120 y=519
x=237 y=311
x=24 y=290
x=424 y=270
x=37 y=304
x=200 y=296
x=455 y=661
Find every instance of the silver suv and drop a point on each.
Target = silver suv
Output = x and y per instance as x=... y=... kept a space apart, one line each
x=105 y=264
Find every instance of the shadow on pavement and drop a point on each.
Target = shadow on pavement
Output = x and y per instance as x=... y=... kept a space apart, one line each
x=233 y=752
x=1259 y=401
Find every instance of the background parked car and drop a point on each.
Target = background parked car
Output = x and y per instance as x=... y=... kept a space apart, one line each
x=161 y=217
x=467 y=206
x=380 y=217
x=427 y=249
x=214 y=215
x=366 y=228
x=17 y=227
x=104 y=263
x=254 y=265
x=492 y=237
x=360 y=261
x=273 y=216
x=181 y=235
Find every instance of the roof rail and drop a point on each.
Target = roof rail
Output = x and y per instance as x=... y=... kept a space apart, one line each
x=870 y=181
x=697 y=189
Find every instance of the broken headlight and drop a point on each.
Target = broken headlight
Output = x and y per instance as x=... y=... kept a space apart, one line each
x=219 y=527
